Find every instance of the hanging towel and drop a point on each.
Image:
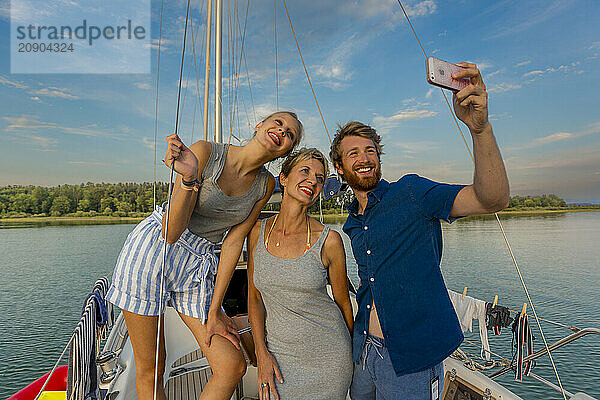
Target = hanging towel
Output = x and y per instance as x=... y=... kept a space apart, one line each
x=467 y=309
x=96 y=319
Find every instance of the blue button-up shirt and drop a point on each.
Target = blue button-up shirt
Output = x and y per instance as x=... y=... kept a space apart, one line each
x=397 y=244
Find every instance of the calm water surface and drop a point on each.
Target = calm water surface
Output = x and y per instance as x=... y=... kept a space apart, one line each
x=46 y=273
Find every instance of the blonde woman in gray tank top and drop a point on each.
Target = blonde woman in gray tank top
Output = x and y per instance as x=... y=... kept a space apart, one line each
x=301 y=335
x=219 y=192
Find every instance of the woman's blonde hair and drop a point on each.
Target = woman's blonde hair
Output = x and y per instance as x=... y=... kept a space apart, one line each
x=304 y=154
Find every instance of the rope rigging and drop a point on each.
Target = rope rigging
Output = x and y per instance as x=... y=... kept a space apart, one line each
x=276 y=70
x=497 y=219
x=162 y=270
x=156 y=105
x=306 y=71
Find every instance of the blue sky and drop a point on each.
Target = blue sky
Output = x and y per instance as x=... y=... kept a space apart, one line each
x=539 y=61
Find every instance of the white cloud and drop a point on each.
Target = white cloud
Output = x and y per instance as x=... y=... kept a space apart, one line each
x=164 y=44
x=24 y=129
x=523 y=63
x=561 y=68
x=334 y=71
x=592 y=129
x=417 y=147
x=496 y=117
x=143 y=85
x=7 y=82
x=49 y=91
x=54 y=92
x=411 y=113
x=26 y=124
x=429 y=93
x=483 y=66
x=417 y=111
x=89 y=163
x=503 y=87
x=390 y=8
x=533 y=73
x=524 y=21
x=555 y=137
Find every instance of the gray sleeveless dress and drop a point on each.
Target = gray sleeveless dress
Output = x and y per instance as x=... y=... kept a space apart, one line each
x=305 y=329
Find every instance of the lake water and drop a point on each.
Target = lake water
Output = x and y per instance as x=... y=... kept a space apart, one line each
x=46 y=272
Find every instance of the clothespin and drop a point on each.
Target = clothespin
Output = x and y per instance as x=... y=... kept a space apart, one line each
x=464 y=292
x=524 y=309
x=495 y=301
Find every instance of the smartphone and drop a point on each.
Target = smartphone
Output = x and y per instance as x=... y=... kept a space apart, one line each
x=439 y=73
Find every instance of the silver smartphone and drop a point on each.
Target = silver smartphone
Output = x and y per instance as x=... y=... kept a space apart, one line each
x=439 y=73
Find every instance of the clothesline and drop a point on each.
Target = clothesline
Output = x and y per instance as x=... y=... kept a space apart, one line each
x=570 y=327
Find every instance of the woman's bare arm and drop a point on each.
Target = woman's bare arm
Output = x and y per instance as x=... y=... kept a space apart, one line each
x=334 y=258
x=230 y=254
x=266 y=363
x=189 y=163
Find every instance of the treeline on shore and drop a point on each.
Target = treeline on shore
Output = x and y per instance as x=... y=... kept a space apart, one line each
x=136 y=200
x=85 y=200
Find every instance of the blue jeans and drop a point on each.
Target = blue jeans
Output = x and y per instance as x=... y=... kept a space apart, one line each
x=375 y=378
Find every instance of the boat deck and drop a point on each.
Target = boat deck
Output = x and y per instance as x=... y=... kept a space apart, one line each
x=188 y=386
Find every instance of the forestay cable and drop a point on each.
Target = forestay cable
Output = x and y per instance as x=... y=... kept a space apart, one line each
x=162 y=270
x=499 y=223
x=156 y=105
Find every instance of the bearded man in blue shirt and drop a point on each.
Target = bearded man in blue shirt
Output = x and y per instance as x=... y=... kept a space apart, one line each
x=406 y=326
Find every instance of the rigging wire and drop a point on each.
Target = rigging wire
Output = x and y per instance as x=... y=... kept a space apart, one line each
x=156 y=105
x=194 y=39
x=248 y=79
x=276 y=71
x=193 y=62
x=499 y=223
x=237 y=73
x=306 y=71
x=229 y=58
x=162 y=270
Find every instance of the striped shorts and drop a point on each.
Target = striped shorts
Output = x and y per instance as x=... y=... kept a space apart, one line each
x=189 y=276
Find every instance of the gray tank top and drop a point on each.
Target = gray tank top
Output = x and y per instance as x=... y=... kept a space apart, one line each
x=305 y=330
x=215 y=212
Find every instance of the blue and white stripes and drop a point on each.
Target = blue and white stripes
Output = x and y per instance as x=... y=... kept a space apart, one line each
x=191 y=266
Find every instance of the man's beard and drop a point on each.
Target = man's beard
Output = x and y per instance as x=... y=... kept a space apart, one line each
x=363 y=184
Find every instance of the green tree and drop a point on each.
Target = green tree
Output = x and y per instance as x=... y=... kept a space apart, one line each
x=21 y=202
x=107 y=203
x=83 y=205
x=124 y=206
x=61 y=205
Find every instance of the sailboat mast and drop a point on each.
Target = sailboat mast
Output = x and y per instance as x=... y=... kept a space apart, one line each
x=218 y=72
x=207 y=68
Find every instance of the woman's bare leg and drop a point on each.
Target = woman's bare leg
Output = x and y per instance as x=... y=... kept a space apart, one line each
x=142 y=331
x=227 y=363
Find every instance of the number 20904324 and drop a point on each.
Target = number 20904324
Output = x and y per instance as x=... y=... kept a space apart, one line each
x=45 y=47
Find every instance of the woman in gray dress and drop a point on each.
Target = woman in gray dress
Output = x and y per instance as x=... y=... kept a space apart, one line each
x=302 y=336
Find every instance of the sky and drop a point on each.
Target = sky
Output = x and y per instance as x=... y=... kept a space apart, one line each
x=539 y=60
